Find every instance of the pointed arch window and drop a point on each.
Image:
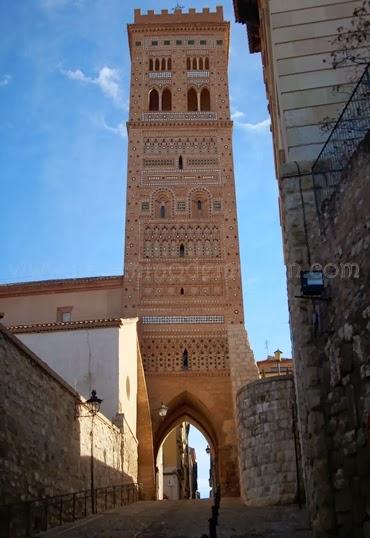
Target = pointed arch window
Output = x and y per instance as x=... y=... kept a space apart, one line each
x=169 y=64
x=185 y=359
x=181 y=164
x=162 y=211
x=166 y=100
x=199 y=205
x=195 y=64
x=153 y=99
x=200 y=64
x=206 y=63
x=188 y=64
x=163 y=64
x=182 y=251
x=151 y=64
x=182 y=291
x=192 y=100
x=205 y=100
x=156 y=64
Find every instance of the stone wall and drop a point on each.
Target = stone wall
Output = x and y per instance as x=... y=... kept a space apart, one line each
x=267 y=452
x=45 y=449
x=331 y=345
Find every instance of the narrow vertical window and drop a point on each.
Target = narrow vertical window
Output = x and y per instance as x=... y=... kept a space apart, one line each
x=162 y=211
x=169 y=64
x=182 y=291
x=182 y=251
x=194 y=64
x=185 y=359
x=188 y=64
x=192 y=100
x=166 y=100
x=205 y=100
x=181 y=164
x=163 y=64
x=151 y=64
x=199 y=205
x=153 y=100
x=156 y=65
x=200 y=63
x=206 y=63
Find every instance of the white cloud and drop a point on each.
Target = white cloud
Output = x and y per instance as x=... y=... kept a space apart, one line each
x=5 y=80
x=235 y=114
x=259 y=127
x=107 y=80
x=119 y=130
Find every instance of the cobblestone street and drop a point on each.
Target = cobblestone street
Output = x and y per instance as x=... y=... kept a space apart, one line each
x=189 y=519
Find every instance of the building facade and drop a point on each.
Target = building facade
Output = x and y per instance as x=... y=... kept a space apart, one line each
x=324 y=199
x=182 y=269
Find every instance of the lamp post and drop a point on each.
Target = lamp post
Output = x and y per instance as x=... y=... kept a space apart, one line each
x=163 y=410
x=93 y=407
x=277 y=355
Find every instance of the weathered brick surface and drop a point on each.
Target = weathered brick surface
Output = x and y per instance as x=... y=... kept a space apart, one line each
x=332 y=347
x=266 y=442
x=45 y=449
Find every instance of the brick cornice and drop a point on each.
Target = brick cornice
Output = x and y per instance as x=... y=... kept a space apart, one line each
x=185 y=123
x=158 y=27
x=65 y=326
x=60 y=286
x=189 y=373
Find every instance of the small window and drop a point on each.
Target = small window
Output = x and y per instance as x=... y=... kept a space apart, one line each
x=169 y=64
x=191 y=42
x=182 y=291
x=203 y=42
x=178 y=42
x=64 y=314
x=166 y=42
x=154 y=43
x=181 y=164
x=199 y=205
x=144 y=206
x=162 y=211
x=181 y=206
x=219 y=42
x=182 y=251
x=151 y=65
x=163 y=64
x=206 y=63
x=188 y=64
x=217 y=205
x=138 y=43
x=185 y=359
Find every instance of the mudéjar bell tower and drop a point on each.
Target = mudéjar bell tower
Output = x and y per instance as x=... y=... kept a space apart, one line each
x=182 y=265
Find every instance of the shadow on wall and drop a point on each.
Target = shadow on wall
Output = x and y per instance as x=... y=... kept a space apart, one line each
x=45 y=450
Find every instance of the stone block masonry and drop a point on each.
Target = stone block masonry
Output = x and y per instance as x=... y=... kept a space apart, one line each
x=331 y=342
x=267 y=446
x=45 y=449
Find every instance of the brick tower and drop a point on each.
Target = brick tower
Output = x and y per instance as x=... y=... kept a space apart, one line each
x=182 y=266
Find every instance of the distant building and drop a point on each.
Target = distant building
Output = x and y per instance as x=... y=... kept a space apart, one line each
x=270 y=366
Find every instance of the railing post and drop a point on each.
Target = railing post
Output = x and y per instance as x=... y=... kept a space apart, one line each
x=74 y=507
x=61 y=511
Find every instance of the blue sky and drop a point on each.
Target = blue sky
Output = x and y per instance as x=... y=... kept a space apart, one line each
x=64 y=82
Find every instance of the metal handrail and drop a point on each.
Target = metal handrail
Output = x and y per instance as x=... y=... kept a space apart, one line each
x=24 y=519
x=365 y=74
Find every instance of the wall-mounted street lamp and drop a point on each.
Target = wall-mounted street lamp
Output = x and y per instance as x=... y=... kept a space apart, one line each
x=163 y=410
x=312 y=282
x=208 y=450
x=93 y=407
